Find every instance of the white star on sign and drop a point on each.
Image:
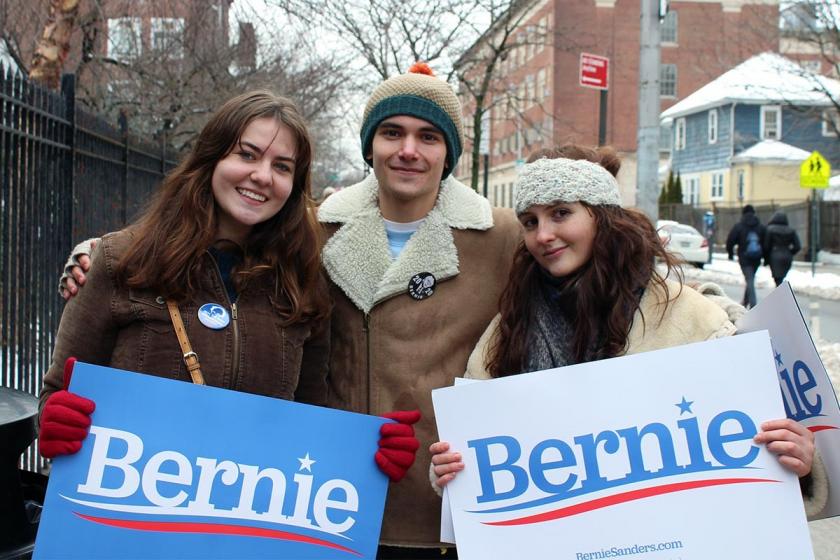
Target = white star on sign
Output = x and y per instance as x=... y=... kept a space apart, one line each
x=306 y=463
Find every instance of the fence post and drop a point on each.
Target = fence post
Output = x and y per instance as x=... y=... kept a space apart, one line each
x=124 y=213
x=68 y=91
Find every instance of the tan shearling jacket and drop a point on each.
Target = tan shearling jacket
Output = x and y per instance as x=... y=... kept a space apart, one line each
x=131 y=329
x=389 y=350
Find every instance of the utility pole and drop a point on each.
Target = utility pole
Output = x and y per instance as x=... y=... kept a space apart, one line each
x=647 y=148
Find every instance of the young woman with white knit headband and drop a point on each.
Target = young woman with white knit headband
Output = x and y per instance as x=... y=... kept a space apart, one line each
x=584 y=286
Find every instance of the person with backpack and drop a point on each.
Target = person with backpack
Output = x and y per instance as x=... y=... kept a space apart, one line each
x=748 y=235
x=781 y=243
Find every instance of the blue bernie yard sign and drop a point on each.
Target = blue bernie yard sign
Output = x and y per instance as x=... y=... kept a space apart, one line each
x=176 y=470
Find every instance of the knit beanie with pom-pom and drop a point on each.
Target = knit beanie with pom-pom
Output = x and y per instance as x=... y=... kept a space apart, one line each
x=419 y=94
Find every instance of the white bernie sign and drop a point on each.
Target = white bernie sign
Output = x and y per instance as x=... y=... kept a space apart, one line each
x=649 y=456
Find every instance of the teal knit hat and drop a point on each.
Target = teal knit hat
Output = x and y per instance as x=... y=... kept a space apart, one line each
x=421 y=95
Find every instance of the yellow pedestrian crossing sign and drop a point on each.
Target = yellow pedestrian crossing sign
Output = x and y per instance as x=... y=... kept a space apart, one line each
x=814 y=172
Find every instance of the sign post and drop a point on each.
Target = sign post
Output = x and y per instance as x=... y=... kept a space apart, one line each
x=594 y=73
x=814 y=174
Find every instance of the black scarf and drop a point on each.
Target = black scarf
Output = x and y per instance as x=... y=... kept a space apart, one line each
x=551 y=331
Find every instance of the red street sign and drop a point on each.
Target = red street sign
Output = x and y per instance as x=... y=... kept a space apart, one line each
x=594 y=71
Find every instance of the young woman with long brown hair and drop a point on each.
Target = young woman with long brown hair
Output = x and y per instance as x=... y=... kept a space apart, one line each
x=231 y=245
x=584 y=286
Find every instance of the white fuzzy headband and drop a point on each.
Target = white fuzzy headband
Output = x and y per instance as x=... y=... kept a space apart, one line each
x=546 y=181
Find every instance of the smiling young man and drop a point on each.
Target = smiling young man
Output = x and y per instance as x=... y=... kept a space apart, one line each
x=417 y=261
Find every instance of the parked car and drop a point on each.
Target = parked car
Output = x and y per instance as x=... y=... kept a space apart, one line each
x=684 y=242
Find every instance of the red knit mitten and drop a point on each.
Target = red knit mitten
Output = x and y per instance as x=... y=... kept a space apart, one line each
x=398 y=446
x=65 y=419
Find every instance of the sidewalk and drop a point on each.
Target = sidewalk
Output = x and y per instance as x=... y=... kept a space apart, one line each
x=824 y=267
x=825 y=537
x=825 y=284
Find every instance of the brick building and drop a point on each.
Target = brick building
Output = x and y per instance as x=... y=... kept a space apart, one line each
x=538 y=102
x=122 y=30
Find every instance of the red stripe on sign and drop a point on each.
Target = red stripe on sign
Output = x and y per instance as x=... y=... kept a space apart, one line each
x=622 y=498
x=212 y=529
x=821 y=428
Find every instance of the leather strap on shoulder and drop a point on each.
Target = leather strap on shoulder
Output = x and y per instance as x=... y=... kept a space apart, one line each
x=190 y=357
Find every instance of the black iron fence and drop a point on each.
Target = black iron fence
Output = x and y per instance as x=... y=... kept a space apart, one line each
x=798 y=214
x=66 y=175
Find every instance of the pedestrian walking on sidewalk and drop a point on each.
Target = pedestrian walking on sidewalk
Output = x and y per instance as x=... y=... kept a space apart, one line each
x=781 y=243
x=748 y=235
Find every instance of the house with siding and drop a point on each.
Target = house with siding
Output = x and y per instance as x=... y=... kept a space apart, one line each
x=740 y=138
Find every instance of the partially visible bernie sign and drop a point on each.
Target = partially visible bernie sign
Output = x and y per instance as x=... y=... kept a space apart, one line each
x=649 y=456
x=807 y=392
x=175 y=470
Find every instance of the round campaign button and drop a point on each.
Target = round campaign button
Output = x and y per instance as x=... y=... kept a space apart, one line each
x=421 y=285
x=213 y=316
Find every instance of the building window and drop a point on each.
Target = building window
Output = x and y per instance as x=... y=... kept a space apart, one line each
x=547 y=92
x=713 y=126
x=531 y=41
x=740 y=185
x=125 y=38
x=717 y=186
x=668 y=28
x=691 y=194
x=830 y=122
x=668 y=80
x=679 y=134
x=543 y=32
x=665 y=138
x=530 y=91
x=540 y=93
x=771 y=122
x=168 y=36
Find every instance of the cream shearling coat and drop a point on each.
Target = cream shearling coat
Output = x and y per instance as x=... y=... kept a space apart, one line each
x=689 y=317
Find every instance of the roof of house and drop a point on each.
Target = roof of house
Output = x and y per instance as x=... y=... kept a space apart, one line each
x=768 y=151
x=764 y=78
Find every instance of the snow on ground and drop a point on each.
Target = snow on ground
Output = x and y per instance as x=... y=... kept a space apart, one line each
x=721 y=271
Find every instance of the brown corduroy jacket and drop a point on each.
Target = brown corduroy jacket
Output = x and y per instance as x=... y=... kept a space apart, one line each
x=390 y=350
x=131 y=329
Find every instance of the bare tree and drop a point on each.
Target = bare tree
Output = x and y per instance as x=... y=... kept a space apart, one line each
x=390 y=35
x=464 y=40
x=169 y=80
x=813 y=27
x=164 y=81
x=54 y=43
x=482 y=84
